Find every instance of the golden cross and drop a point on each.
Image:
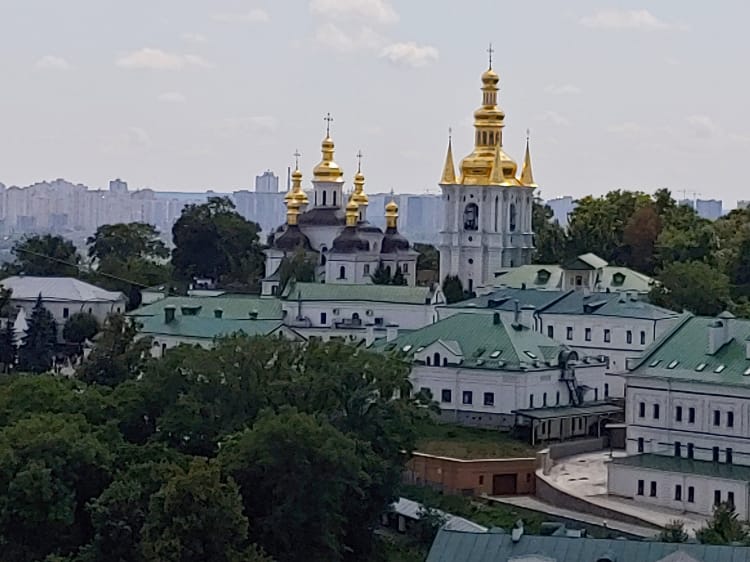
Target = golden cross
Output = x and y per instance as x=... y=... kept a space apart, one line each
x=490 y=51
x=296 y=158
x=328 y=119
x=359 y=159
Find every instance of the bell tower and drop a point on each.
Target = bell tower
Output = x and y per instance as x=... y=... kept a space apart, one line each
x=328 y=177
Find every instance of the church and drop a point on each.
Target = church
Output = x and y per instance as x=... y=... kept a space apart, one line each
x=333 y=229
x=487 y=207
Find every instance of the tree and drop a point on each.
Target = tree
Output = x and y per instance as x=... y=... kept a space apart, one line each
x=693 y=286
x=381 y=275
x=80 y=327
x=549 y=237
x=639 y=237
x=300 y=266
x=287 y=520
x=453 y=289
x=428 y=259
x=429 y=523
x=8 y=350
x=117 y=355
x=213 y=240
x=125 y=241
x=398 y=277
x=724 y=527
x=36 y=352
x=197 y=516
x=674 y=531
x=45 y=256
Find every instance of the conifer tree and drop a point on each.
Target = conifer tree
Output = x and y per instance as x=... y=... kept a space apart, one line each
x=37 y=349
x=8 y=351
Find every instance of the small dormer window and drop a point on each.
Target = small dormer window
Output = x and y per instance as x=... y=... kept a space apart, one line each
x=530 y=354
x=720 y=368
x=406 y=348
x=495 y=354
x=673 y=364
x=655 y=363
x=618 y=279
x=747 y=372
x=700 y=367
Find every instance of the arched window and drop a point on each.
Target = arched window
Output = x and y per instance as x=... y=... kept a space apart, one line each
x=316 y=198
x=512 y=220
x=427 y=360
x=497 y=209
x=324 y=198
x=436 y=359
x=342 y=272
x=355 y=316
x=323 y=251
x=471 y=217
x=484 y=137
x=544 y=399
x=445 y=361
x=334 y=198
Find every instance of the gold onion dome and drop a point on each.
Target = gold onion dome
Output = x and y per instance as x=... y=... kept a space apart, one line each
x=359 y=196
x=298 y=194
x=327 y=169
x=352 y=213
x=292 y=212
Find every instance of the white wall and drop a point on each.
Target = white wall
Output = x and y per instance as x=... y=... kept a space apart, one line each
x=407 y=316
x=61 y=311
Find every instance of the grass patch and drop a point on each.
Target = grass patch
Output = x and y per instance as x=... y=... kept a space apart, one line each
x=470 y=443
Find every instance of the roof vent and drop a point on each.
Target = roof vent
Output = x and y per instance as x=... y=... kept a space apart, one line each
x=253 y=314
x=517 y=532
x=218 y=313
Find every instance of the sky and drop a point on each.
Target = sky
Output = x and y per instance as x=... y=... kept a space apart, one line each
x=189 y=95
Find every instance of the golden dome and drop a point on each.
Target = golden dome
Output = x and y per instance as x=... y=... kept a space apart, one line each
x=292 y=212
x=298 y=194
x=359 y=196
x=391 y=214
x=391 y=207
x=352 y=213
x=327 y=170
x=490 y=77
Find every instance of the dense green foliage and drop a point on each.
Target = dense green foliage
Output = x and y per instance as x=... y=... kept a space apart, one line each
x=80 y=327
x=724 y=527
x=674 y=531
x=299 y=267
x=453 y=289
x=549 y=237
x=45 y=256
x=255 y=450
x=36 y=352
x=8 y=349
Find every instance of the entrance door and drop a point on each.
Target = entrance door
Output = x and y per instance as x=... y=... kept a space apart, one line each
x=503 y=484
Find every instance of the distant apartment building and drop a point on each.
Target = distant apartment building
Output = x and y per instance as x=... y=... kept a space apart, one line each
x=710 y=209
x=562 y=207
x=420 y=215
x=743 y=204
x=268 y=182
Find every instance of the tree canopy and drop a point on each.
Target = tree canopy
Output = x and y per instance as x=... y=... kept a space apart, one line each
x=80 y=327
x=36 y=352
x=46 y=256
x=125 y=241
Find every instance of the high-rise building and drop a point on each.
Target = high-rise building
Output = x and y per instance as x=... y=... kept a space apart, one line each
x=562 y=207
x=709 y=208
x=268 y=182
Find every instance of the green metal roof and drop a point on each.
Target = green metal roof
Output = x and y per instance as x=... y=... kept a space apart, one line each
x=456 y=546
x=504 y=299
x=233 y=307
x=205 y=328
x=685 y=350
x=590 y=409
x=690 y=466
x=347 y=292
x=529 y=276
x=479 y=337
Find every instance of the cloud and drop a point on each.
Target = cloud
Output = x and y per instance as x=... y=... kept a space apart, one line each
x=332 y=36
x=156 y=59
x=410 y=54
x=378 y=11
x=194 y=37
x=642 y=20
x=172 y=97
x=563 y=90
x=553 y=117
x=256 y=15
x=51 y=62
x=703 y=126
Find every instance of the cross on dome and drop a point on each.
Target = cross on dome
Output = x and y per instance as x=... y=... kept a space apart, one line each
x=490 y=51
x=328 y=119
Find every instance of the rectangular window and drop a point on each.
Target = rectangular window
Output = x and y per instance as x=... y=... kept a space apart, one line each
x=691 y=494
x=677 y=449
x=691 y=415
x=643 y=338
x=569 y=333
x=729 y=454
x=717 y=417
x=557 y=398
x=489 y=398
x=367 y=269
x=446 y=395
x=730 y=419
x=652 y=492
x=405 y=268
x=66 y=312
x=531 y=400
x=730 y=499
x=426 y=391
x=323 y=318
x=640 y=487
x=606 y=390
x=467 y=397
x=678 y=492
x=641 y=409
x=656 y=411
x=717 y=497
x=550 y=331
x=678 y=413
x=629 y=336
x=587 y=334
x=607 y=336
x=715 y=454
x=640 y=444
x=691 y=451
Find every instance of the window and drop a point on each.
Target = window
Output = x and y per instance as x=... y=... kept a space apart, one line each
x=606 y=390
x=641 y=409
x=512 y=221
x=717 y=497
x=607 y=336
x=467 y=397
x=367 y=269
x=690 y=451
x=325 y=193
x=596 y=394
x=323 y=318
x=643 y=338
x=569 y=333
x=715 y=454
x=629 y=336
x=678 y=413
x=436 y=359
x=717 y=417
x=640 y=444
x=691 y=415
x=489 y=398
x=730 y=499
x=531 y=400
x=544 y=400
x=730 y=419
x=587 y=334
x=678 y=493
x=481 y=479
x=66 y=312
x=652 y=492
x=404 y=268
x=677 y=449
x=557 y=398
x=656 y=411
x=342 y=272
x=640 y=487
x=729 y=455
x=550 y=332
x=471 y=217
x=91 y=310
x=579 y=280
x=691 y=494
x=426 y=391
x=446 y=395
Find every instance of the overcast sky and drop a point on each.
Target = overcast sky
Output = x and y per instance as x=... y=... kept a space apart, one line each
x=189 y=95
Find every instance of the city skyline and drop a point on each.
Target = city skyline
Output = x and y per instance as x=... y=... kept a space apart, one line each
x=186 y=97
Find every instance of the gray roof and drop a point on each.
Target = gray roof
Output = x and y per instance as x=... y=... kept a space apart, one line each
x=63 y=289
x=454 y=546
x=590 y=409
x=411 y=509
x=504 y=299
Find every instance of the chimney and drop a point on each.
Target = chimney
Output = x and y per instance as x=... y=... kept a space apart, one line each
x=496 y=318
x=516 y=313
x=719 y=332
x=527 y=315
x=369 y=336
x=517 y=532
x=391 y=332
x=253 y=314
x=218 y=313
x=169 y=312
